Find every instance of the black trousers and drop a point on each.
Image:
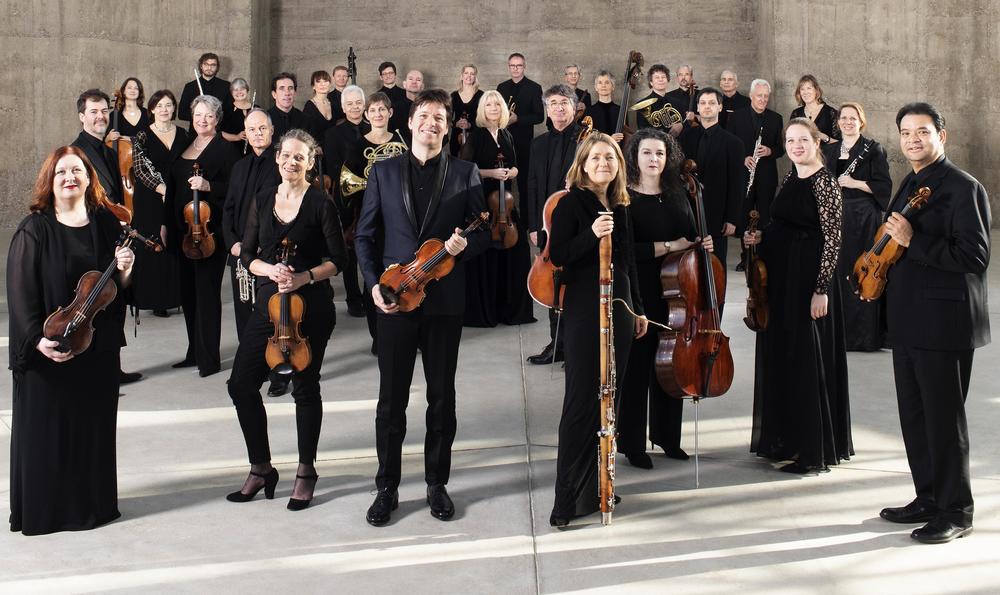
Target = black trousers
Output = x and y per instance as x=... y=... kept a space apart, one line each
x=931 y=387
x=399 y=337
x=250 y=370
x=240 y=309
x=640 y=387
x=201 y=298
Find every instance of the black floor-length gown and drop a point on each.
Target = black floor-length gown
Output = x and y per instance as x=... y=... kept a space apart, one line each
x=575 y=247
x=801 y=400
x=496 y=281
x=459 y=109
x=156 y=277
x=63 y=473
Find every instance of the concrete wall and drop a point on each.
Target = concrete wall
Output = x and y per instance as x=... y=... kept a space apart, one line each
x=882 y=53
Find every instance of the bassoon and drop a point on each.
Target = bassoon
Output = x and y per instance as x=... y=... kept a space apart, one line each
x=606 y=393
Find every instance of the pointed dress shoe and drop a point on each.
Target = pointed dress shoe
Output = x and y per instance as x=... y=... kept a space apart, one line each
x=546 y=356
x=441 y=505
x=386 y=501
x=940 y=531
x=914 y=512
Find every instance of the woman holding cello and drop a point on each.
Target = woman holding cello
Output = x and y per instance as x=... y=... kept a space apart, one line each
x=596 y=206
x=663 y=223
x=200 y=270
x=495 y=281
x=801 y=408
x=62 y=475
x=303 y=215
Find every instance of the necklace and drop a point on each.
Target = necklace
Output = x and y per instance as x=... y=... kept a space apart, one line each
x=205 y=144
x=163 y=130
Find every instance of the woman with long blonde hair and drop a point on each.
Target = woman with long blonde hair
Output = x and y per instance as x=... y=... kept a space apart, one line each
x=464 y=105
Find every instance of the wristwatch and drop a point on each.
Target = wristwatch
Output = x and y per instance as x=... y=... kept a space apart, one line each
x=312 y=278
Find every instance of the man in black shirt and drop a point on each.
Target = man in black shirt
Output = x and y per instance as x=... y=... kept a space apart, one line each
x=524 y=98
x=208 y=67
x=571 y=77
x=397 y=95
x=284 y=114
x=413 y=84
x=551 y=157
x=732 y=99
x=668 y=117
x=340 y=81
x=681 y=97
x=419 y=195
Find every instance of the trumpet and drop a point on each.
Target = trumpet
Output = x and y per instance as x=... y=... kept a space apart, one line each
x=245 y=281
x=351 y=183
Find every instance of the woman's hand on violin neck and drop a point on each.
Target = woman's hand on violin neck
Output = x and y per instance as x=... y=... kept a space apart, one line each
x=296 y=281
x=125 y=258
x=48 y=349
x=751 y=239
x=199 y=183
x=818 y=305
x=280 y=273
x=603 y=225
x=456 y=243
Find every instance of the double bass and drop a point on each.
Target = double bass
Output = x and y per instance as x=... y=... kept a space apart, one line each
x=500 y=202
x=872 y=267
x=694 y=360
x=198 y=242
x=633 y=71
x=287 y=350
x=756 y=273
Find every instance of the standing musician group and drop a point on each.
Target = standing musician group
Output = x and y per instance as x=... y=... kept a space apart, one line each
x=440 y=201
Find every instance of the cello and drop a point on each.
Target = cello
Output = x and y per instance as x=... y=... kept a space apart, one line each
x=287 y=350
x=198 y=242
x=633 y=70
x=756 y=273
x=123 y=149
x=871 y=268
x=694 y=360
x=500 y=202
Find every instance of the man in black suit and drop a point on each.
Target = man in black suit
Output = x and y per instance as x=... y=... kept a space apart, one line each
x=284 y=115
x=719 y=155
x=732 y=99
x=208 y=67
x=524 y=98
x=937 y=315
x=551 y=157
x=92 y=106
x=747 y=125
x=419 y=195
x=397 y=95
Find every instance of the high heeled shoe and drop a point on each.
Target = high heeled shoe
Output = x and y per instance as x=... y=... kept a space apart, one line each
x=270 y=482
x=295 y=503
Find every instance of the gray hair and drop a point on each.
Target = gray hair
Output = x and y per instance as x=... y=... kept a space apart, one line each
x=758 y=83
x=568 y=66
x=607 y=73
x=211 y=102
x=732 y=72
x=562 y=91
x=257 y=110
x=688 y=66
x=301 y=136
x=239 y=83
x=352 y=89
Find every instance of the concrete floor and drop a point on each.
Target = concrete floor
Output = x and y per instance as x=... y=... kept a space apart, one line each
x=748 y=528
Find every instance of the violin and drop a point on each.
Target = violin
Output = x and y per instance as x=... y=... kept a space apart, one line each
x=123 y=149
x=501 y=203
x=871 y=268
x=694 y=360
x=545 y=279
x=287 y=350
x=756 y=273
x=692 y=107
x=633 y=72
x=73 y=326
x=198 y=242
x=405 y=285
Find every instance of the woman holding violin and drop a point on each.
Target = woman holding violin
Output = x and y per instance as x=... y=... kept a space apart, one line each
x=465 y=106
x=129 y=116
x=63 y=475
x=304 y=216
x=663 y=222
x=496 y=281
x=596 y=206
x=801 y=405
x=201 y=269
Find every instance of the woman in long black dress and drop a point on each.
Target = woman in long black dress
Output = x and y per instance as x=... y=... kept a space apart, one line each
x=232 y=127
x=465 y=106
x=156 y=282
x=62 y=475
x=597 y=180
x=663 y=222
x=303 y=214
x=318 y=111
x=866 y=191
x=496 y=287
x=801 y=400
x=201 y=279
x=129 y=116
x=809 y=96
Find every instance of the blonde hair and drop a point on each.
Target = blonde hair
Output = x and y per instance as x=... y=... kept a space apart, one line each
x=862 y=118
x=475 y=69
x=617 y=193
x=481 y=109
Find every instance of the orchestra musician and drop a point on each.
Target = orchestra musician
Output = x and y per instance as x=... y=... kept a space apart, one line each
x=571 y=78
x=249 y=175
x=284 y=115
x=318 y=111
x=604 y=111
x=658 y=77
x=938 y=316
x=663 y=222
x=201 y=279
x=552 y=156
x=732 y=99
x=465 y=104
x=413 y=84
x=597 y=186
x=341 y=78
x=303 y=214
x=418 y=195
x=524 y=101
x=801 y=411
x=387 y=72
x=129 y=109
x=867 y=190
x=208 y=68
x=809 y=96
x=232 y=128
x=680 y=97
x=62 y=451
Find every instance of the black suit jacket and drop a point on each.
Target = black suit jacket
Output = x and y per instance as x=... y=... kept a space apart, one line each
x=936 y=293
x=218 y=88
x=242 y=188
x=720 y=168
x=538 y=176
x=387 y=231
x=110 y=180
x=741 y=124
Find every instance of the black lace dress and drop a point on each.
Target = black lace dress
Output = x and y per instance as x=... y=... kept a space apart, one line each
x=801 y=408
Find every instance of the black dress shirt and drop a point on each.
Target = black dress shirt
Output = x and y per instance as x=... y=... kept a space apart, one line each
x=422 y=178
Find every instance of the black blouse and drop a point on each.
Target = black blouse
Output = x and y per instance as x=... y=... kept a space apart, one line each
x=826 y=119
x=216 y=161
x=460 y=108
x=484 y=151
x=125 y=128
x=316 y=123
x=604 y=115
x=872 y=167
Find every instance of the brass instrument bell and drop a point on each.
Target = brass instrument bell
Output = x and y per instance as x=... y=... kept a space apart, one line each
x=350 y=183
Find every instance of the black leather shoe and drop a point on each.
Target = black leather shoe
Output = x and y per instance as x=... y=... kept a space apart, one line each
x=914 y=512
x=278 y=388
x=441 y=505
x=639 y=459
x=940 y=531
x=545 y=357
x=356 y=310
x=380 y=511
x=741 y=267
x=558 y=521
x=676 y=453
x=161 y=313
x=128 y=377
x=187 y=363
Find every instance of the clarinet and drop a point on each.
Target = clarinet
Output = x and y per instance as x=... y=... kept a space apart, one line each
x=756 y=158
x=854 y=164
x=606 y=392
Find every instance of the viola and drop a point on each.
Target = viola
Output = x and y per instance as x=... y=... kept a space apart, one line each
x=756 y=273
x=694 y=360
x=871 y=269
x=500 y=202
x=198 y=242
x=287 y=350
x=633 y=72
x=545 y=279
x=73 y=326
x=692 y=107
x=405 y=285
x=123 y=149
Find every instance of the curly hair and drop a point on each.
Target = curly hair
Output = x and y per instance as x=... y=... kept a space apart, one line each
x=670 y=179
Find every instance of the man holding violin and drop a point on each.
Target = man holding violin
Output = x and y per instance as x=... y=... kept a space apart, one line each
x=419 y=195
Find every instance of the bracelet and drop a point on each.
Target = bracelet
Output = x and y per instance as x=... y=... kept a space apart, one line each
x=312 y=279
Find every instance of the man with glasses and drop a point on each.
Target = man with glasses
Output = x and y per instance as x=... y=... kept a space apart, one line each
x=524 y=99
x=208 y=67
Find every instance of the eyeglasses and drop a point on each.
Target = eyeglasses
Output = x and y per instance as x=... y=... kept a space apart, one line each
x=515 y=65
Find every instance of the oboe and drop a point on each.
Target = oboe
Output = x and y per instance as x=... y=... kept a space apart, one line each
x=854 y=164
x=756 y=158
x=606 y=392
